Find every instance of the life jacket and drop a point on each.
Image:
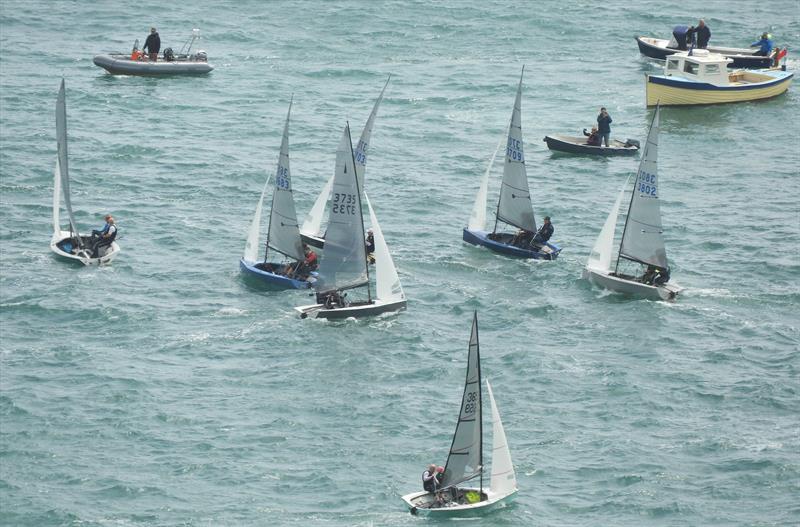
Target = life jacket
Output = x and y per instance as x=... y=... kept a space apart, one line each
x=429 y=485
x=113 y=235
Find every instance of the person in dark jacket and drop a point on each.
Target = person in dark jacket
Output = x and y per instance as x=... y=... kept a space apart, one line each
x=604 y=125
x=545 y=232
x=702 y=32
x=152 y=44
x=765 y=44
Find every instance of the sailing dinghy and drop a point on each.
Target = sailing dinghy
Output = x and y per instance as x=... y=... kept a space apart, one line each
x=312 y=231
x=343 y=266
x=465 y=460
x=71 y=244
x=642 y=238
x=283 y=234
x=514 y=205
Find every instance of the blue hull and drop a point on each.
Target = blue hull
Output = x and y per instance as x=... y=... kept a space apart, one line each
x=274 y=280
x=481 y=238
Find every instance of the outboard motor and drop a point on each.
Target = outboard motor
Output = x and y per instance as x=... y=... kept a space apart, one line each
x=679 y=38
x=169 y=55
x=632 y=142
x=201 y=56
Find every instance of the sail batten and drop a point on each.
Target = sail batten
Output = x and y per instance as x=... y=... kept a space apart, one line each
x=514 y=205
x=643 y=239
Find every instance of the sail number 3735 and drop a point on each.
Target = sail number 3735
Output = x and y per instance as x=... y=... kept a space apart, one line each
x=647 y=184
x=343 y=203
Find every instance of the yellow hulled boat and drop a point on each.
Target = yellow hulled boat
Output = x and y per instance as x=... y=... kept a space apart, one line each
x=700 y=77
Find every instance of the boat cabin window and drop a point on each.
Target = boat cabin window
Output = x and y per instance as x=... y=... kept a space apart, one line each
x=691 y=67
x=712 y=68
x=672 y=65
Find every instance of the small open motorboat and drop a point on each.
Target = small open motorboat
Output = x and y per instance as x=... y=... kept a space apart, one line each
x=70 y=244
x=577 y=145
x=136 y=63
x=657 y=48
x=700 y=77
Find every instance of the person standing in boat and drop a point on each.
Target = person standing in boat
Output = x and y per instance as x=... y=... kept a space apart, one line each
x=544 y=233
x=604 y=125
x=104 y=237
x=702 y=32
x=152 y=44
x=765 y=45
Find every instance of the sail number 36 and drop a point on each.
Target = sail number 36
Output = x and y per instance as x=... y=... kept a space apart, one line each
x=647 y=184
x=470 y=404
x=343 y=203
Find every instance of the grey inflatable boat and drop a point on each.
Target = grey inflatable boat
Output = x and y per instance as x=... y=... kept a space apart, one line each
x=168 y=63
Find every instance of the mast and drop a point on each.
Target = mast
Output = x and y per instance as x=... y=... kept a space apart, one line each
x=358 y=193
x=480 y=399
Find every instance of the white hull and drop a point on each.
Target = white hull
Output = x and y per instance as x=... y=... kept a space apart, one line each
x=417 y=503
x=361 y=310
x=104 y=259
x=623 y=285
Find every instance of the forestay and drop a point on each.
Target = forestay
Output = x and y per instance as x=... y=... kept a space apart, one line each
x=63 y=164
x=466 y=452
x=344 y=262
x=504 y=481
x=477 y=220
x=313 y=221
x=600 y=257
x=387 y=283
x=284 y=233
x=515 y=207
x=642 y=239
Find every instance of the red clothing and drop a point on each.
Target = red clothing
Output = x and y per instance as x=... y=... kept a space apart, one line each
x=311 y=260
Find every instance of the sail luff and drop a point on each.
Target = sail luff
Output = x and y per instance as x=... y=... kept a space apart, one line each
x=504 y=480
x=284 y=233
x=514 y=205
x=466 y=457
x=642 y=239
x=477 y=219
x=63 y=158
x=387 y=283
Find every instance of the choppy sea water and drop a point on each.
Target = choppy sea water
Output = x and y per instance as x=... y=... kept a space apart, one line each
x=164 y=390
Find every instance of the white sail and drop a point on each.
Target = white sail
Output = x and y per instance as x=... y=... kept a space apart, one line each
x=313 y=221
x=251 y=247
x=466 y=452
x=643 y=240
x=600 y=257
x=284 y=233
x=344 y=262
x=57 y=201
x=515 y=207
x=387 y=283
x=477 y=220
x=63 y=164
x=504 y=481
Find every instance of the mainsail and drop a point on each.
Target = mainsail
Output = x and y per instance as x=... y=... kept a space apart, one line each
x=284 y=233
x=466 y=452
x=477 y=220
x=344 y=262
x=387 y=283
x=514 y=206
x=600 y=257
x=313 y=221
x=504 y=481
x=642 y=239
x=63 y=166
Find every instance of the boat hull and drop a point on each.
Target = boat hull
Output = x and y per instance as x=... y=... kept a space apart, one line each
x=475 y=237
x=273 y=280
x=577 y=145
x=656 y=48
x=630 y=287
x=416 y=502
x=58 y=247
x=317 y=242
x=376 y=307
x=675 y=91
x=121 y=65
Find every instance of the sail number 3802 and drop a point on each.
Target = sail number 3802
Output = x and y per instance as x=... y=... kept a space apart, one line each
x=647 y=184
x=343 y=203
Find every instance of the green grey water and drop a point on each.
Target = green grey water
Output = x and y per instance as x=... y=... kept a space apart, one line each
x=164 y=390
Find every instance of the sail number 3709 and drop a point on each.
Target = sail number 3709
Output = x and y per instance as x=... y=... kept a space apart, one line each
x=343 y=203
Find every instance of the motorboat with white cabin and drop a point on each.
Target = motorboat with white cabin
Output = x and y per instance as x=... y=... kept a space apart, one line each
x=701 y=77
